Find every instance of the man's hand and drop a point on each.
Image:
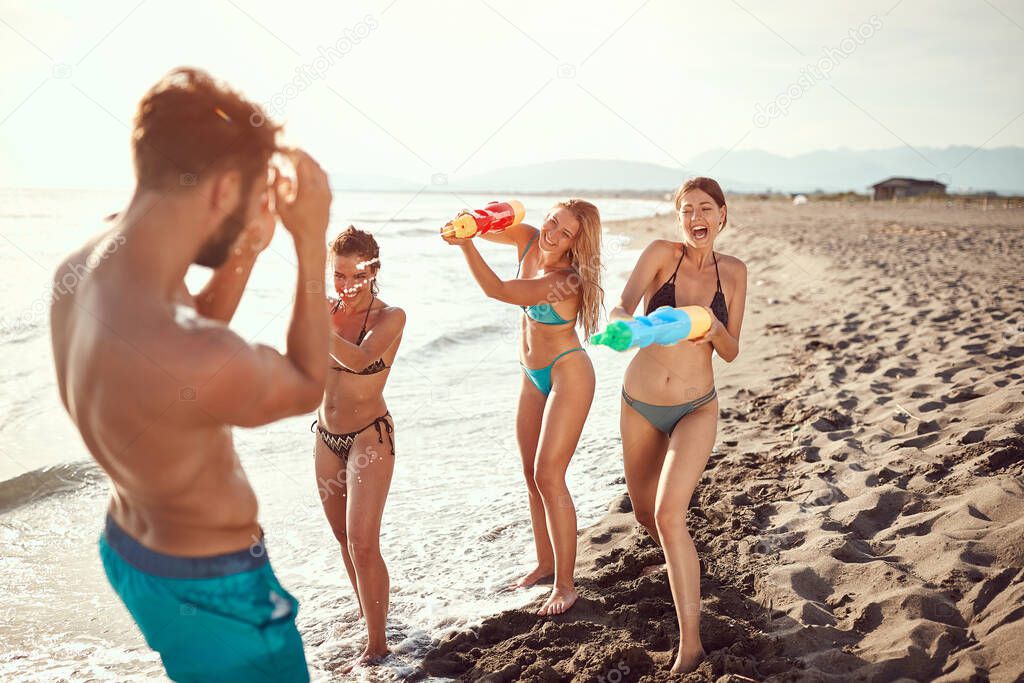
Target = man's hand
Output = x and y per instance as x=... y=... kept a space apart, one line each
x=306 y=208
x=260 y=231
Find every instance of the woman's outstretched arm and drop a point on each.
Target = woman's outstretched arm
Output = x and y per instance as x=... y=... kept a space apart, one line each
x=550 y=288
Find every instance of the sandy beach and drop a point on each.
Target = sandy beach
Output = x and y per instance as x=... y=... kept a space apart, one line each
x=862 y=516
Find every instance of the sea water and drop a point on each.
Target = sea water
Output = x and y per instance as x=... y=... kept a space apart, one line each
x=456 y=527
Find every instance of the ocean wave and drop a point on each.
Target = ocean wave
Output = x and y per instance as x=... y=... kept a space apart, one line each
x=462 y=337
x=18 y=328
x=48 y=481
x=382 y=219
x=417 y=232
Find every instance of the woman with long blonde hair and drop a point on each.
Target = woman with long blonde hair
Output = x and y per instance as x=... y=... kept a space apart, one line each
x=558 y=286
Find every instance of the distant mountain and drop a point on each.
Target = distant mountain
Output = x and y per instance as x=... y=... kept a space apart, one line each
x=585 y=174
x=590 y=174
x=839 y=170
x=962 y=168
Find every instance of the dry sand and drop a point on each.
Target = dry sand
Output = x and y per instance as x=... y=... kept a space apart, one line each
x=862 y=517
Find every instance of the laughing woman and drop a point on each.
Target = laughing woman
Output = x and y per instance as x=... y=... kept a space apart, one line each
x=355 y=443
x=558 y=286
x=669 y=405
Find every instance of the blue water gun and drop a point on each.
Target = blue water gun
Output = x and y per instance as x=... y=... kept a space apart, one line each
x=666 y=326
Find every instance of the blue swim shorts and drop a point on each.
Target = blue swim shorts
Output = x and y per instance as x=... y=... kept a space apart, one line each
x=218 y=618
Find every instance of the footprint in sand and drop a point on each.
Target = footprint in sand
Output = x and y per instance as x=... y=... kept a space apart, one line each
x=975 y=556
x=886 y=475
x=900 y=372
x=951 y=314
x=1005 y=454
x=918 y=442
x=854 y=551
x=989 y=589
x=880 y=387
x=887 y=507
x=869 y=618
x=973 y=436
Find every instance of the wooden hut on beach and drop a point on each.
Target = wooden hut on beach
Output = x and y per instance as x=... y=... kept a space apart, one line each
x=898 y=188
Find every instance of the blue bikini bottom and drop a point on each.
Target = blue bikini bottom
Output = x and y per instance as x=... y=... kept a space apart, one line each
x=541 y=377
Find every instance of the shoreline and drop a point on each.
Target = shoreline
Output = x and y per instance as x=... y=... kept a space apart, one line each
x=852 y=522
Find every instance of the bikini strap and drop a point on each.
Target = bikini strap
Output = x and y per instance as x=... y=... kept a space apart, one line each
x=717 y=276
x=578 y=348
x=362 y=332
x=387 y=427
x=678 y=263
x=525 y=252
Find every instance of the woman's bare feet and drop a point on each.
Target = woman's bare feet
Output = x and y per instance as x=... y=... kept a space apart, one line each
x=533 y=577
x=688 y=660
x=560 y=600
x=368 y=658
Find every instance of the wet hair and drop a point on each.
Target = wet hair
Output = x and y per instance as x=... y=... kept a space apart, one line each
x=189 y=125
x=355 y=242
x=585 y=256
x=708 y=185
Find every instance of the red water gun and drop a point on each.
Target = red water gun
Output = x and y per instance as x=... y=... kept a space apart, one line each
x=495 y=217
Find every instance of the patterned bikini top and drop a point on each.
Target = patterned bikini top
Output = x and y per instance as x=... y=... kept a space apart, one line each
x=376 y=366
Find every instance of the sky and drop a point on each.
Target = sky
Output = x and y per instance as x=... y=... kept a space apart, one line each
x=411 y=89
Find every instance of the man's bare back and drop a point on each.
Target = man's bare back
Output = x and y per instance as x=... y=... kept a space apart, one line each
x=154 y=386
x=130 y=368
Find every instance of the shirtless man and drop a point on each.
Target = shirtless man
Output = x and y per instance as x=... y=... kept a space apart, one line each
x=154 y=380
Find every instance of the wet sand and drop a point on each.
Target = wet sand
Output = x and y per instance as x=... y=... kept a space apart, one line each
x=862 y=516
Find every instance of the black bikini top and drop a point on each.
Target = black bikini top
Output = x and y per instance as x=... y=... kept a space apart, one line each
x=376 y=366
x=666 y=295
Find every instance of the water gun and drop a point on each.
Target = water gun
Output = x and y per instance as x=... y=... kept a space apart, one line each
x=666 y=326
x=494 y=217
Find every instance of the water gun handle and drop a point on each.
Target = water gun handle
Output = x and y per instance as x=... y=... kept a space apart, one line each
x=665 y=327
x=495 y=217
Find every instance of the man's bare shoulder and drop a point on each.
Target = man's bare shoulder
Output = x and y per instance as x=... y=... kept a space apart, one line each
x=87 y=258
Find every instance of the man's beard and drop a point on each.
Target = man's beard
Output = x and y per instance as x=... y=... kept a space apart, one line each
x=215 y=252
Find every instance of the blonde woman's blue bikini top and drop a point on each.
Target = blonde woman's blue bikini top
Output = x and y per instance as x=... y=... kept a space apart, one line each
x=545 y=314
